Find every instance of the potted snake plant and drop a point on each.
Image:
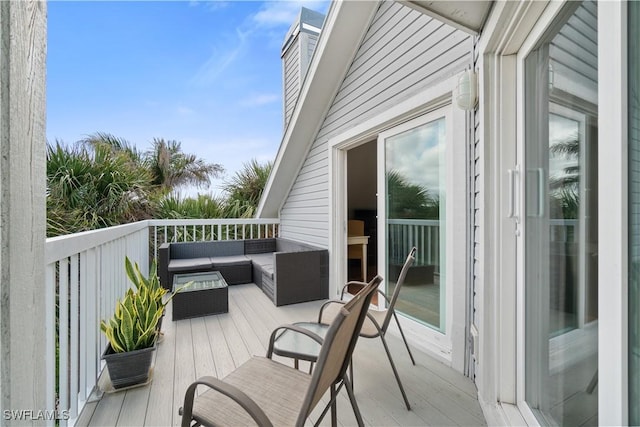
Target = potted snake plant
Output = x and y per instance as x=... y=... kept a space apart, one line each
x=152 y=283
x=133 y=329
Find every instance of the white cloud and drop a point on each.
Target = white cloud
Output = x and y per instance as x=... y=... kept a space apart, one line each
x=185 y=111
x=269 y=23
x=277 y=13
x=211 y=5
x=220 y=60
x=259 y=100
x=417 y=155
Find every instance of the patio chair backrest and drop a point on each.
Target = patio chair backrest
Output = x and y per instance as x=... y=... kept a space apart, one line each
x=337 y=348
x=394 y=297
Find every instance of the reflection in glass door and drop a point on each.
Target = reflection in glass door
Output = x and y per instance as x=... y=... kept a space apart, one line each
x=561 y=235
x=415 y=216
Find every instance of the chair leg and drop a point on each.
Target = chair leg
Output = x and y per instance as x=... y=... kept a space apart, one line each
x=593 y=383
x=351 y=373
x=334 y=406
x=395 y=372
x=354 y=404
x=406 y=344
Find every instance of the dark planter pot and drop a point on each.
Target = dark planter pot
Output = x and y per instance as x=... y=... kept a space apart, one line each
x=129 y=368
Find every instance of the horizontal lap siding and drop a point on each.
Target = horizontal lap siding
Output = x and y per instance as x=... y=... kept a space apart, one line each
x=291 y=79
x=573 y=54
x=477 y=217
x=403 y=52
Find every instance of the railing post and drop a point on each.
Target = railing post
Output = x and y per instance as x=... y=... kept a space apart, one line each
x=63 y=336
x=74 y=348
x=50 y=337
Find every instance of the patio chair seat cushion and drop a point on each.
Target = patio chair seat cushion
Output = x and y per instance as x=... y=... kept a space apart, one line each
x=279 y=391
x=264 y=261
x=190 y=264
x=261 y=259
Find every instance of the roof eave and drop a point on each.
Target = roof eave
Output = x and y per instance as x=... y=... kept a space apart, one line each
x=466 y=15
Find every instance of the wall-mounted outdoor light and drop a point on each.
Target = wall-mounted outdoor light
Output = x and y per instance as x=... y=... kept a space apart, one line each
x=466 y=94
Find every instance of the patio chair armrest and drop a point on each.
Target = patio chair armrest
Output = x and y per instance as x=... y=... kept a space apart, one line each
x=294 y=328
x=325 y=305
x=386 y=298
x=375 y=323
x=228 y=390
x=352 y=283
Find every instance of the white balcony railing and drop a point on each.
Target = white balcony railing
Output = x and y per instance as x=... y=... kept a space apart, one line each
x=563 y=230
x=421 y=233
x=85 y=277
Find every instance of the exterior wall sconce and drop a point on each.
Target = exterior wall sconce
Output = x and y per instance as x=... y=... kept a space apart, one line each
x=466 y=93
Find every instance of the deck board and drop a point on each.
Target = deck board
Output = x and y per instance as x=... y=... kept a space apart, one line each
x=215 y=345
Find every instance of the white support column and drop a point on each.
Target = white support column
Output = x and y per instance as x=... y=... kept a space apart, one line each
x=22 y=207
x=612 y=215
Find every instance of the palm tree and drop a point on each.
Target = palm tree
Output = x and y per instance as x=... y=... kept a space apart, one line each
x=172 y=169
x=203 y=206
x=169 y=166
x=104 y=180
x=245 y=188
x=93 y=187
x=410 y=201
x=564 y=187
x=116 y=144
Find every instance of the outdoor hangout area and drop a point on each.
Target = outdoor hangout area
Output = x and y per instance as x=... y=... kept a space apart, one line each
x=217 y=345
x=212 y=329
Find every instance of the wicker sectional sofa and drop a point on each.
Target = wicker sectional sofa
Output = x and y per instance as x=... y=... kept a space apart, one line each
x=287 y=271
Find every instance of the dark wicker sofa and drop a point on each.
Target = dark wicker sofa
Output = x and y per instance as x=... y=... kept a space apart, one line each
x=287 y=271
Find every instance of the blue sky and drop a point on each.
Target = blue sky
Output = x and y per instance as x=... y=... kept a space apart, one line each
x=207 y=74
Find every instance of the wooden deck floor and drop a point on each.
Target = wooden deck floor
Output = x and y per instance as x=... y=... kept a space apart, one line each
x=215 y=345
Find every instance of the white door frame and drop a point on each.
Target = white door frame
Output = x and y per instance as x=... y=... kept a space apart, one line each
x=613 y=221
x=509 y=35
x=449 y=350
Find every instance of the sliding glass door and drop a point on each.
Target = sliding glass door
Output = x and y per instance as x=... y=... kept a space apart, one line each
x=561 y=223
x=414 y=191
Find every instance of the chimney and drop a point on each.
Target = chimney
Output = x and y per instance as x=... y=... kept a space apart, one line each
x=297 y=50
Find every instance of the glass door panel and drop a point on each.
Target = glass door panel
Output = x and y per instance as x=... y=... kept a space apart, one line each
x=415 y=216
x=561 y=235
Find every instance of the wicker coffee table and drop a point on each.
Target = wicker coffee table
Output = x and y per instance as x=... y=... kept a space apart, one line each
x=208 y=294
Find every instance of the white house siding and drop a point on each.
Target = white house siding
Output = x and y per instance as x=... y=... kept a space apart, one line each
x=402 y=53
x=311 y=46
x=573 y=54
x=477 y=213
x=296 y=63
x=291 y=79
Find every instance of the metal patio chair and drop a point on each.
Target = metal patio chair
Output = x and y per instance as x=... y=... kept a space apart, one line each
x=268 y=393
x=377 y=321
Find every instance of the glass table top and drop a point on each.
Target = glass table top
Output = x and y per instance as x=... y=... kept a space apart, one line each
x=299 y=346
x=200 y=281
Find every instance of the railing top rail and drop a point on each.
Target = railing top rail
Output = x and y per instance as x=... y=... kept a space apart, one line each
x=215 y=221
x=562 y=221
x=60 y=247
x=413 y=221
